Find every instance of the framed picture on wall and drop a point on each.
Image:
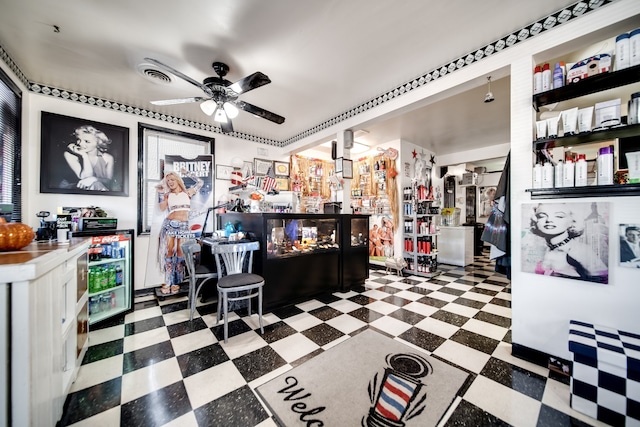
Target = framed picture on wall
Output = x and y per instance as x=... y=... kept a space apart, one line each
x=347 y=168
x=282 y=184
x=79 y=156
x=223 y=172
x=281 y=168
x=261 y=166
x=629 y=245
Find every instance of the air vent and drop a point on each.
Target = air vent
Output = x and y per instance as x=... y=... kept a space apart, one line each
x=151 y=73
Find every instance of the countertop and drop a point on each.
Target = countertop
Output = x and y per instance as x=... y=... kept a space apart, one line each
x=37 y=249
x=36 y=259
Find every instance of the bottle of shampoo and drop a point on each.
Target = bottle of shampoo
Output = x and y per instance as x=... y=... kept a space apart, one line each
x=581 y=170
x=558 y=76
x=605 y=166
x=546 y=77
x=569 y=173
x=537 y=176
x=547 y=175
x=622 y=52
x=634 y=47
x=559 y=174
x=537 y=80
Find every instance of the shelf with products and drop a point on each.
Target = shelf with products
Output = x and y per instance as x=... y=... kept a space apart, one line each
x=622 y=131
x=590 y=85
x=614 y=190
x=587 y=140
x=420 y=234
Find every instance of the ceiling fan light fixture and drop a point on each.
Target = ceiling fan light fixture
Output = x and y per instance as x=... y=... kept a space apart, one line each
x=231 y=110
x=220 y=116
x=208 y=107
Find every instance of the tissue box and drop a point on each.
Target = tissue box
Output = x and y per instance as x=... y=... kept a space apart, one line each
x=605 y=381
x=608 y=113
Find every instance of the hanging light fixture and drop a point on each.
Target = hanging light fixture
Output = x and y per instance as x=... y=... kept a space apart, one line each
x=489 y=96
x=208 y=107
x=220 y=116
x=231 y=110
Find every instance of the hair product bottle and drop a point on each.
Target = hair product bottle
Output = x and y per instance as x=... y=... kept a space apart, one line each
x=581 y=171
x=558 y=76
x=537 y=176
x=559 y=174
x=546 y=77
x=547 y=175
x=605 y=166
x=622 y=52
x=537 y=80
x=569 y=173
x=634 y=47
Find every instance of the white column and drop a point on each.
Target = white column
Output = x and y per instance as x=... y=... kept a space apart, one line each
x=344 y=195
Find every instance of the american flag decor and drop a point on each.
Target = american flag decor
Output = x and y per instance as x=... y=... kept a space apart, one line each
x=269 y=182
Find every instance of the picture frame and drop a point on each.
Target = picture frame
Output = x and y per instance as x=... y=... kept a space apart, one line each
x=61 y=156
x=629 y=235
x=281 y=168
x=223 y=172
x=347 y=168
x=282 y=184
x=261 y=166
x=338 y=164
x=155 y=145
x=247 y=168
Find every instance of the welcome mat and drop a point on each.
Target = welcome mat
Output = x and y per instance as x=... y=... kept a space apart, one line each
x=368 y=380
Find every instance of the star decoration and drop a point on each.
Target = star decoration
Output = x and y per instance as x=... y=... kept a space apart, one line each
x=415 y=153
x=433 y=159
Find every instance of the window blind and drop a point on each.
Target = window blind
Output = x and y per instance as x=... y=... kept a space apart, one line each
x=10 y=152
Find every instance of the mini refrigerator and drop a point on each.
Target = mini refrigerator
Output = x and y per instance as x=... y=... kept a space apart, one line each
x=110 y=273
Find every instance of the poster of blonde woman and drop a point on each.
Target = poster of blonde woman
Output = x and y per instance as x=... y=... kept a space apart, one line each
x=569 y=240
x=182 y=198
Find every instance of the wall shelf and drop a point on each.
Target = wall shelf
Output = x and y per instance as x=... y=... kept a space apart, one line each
x=587 y=86
x=624 y=131
x=587 y=191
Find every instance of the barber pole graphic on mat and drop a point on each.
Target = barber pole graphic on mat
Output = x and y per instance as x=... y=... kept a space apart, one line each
x=397 y=393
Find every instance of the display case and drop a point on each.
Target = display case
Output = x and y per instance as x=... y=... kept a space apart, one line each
x=302 y=255
x=355 y=254
x=293 y=236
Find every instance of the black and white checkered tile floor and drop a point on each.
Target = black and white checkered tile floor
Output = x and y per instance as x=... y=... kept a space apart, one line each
x=155 y=368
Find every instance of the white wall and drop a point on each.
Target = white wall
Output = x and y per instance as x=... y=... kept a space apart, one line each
x=542 y=306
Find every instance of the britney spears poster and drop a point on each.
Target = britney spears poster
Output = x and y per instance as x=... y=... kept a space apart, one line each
x=183 y=197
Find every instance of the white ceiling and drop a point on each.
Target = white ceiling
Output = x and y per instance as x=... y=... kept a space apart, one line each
x=323 y=57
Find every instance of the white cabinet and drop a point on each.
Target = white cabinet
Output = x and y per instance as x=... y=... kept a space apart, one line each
x=456 y=245
x=44 y=312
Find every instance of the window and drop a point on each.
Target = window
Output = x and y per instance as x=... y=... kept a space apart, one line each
x=10 y=172
x=154 y=143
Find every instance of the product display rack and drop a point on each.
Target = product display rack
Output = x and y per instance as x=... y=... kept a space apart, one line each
x=590 y=85
x=420 y=235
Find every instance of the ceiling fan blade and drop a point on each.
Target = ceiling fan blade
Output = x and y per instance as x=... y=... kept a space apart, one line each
x=227 y=127
x=178 y=101
x=260 y=112
x=179 y=74
x=248 y=83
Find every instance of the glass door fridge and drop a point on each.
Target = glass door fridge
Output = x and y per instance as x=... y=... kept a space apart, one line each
x=110 y=273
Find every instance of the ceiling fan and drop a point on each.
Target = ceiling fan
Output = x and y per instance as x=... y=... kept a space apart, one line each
x=221 y=96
